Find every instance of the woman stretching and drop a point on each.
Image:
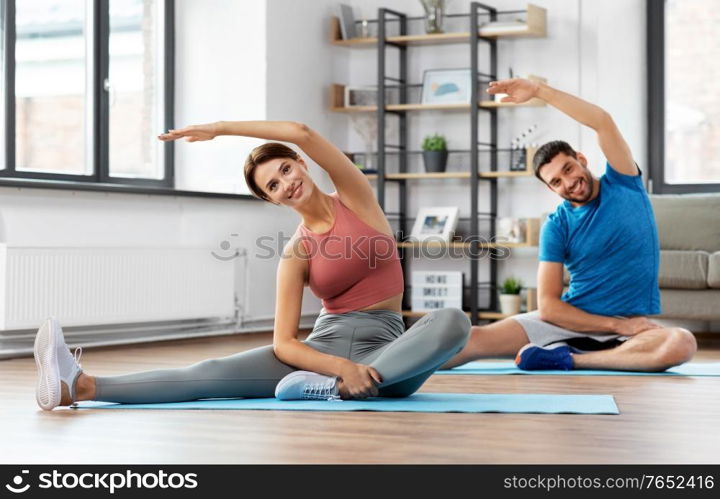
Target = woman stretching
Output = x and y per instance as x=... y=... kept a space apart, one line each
x=343 y=249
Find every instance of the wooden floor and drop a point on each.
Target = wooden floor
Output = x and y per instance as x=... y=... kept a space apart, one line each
x=662 y=420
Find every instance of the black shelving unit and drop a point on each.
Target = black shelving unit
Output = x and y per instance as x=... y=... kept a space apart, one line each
x=476 y=9
x=400 y=42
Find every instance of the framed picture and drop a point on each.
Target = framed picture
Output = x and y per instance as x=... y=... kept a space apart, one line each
x=510 y=230
x=435 y=224
x=347 y=21
x=446 y=86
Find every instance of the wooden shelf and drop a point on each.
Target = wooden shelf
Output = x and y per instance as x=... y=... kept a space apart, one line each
x=354 y=109
x=528 y=172
x=532 y=238
x=434 y=107
x=410 y=176
x=337 y=104
x=493 y=315
x=422 y=176
x=530 y=103
x=523 y=173
x=461 y=175
x=407 y=40
x=535 y=26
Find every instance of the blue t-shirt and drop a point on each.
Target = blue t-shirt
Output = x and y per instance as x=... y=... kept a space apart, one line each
x=610 y=247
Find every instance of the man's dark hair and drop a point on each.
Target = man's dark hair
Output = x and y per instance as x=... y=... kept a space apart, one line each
x=547 y=152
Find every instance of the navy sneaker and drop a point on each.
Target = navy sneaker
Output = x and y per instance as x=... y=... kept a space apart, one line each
x=535 y=358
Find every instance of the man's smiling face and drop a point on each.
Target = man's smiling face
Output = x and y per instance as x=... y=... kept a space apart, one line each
x=569 y=178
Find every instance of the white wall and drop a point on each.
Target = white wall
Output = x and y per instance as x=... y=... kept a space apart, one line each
x=302 y=65
x=221 y=75
x=591 y=50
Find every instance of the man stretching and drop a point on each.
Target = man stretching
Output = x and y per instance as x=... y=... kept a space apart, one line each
x=604 y=233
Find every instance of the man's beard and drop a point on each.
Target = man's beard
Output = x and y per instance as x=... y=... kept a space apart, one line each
x=589 y=185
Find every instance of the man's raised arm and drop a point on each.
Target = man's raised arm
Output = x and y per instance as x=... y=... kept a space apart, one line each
x=611 y=141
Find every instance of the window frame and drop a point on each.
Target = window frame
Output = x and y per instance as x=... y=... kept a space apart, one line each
x=98 y=128
x=656 y=106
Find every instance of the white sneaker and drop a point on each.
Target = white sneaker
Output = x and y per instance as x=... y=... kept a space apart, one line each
x=306 y=385
x=55 y=365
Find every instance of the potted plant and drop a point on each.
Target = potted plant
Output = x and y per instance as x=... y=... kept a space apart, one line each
x=435 y=153
x=510 y=296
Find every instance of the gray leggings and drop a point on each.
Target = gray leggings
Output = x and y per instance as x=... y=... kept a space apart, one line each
x=375 y=337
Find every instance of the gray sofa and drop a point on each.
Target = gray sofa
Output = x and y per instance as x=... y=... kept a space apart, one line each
x=689 y=231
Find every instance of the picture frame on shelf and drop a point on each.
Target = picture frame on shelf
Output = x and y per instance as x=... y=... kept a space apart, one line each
x=510 y=230
x=446 y=86
x=435 y=224
x=518 y=159
x=347 y=21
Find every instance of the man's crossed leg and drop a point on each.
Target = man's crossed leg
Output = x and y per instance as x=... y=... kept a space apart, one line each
x=651 y=350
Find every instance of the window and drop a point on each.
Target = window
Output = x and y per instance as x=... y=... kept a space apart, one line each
x=50 y=87
x=135 y=86
x=89 y=86
x=2 y=86
x=684 y=105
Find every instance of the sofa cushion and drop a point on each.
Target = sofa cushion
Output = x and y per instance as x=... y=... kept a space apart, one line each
x=690 y=304
x=683 y=269
x=714 y=270
x=688 y=221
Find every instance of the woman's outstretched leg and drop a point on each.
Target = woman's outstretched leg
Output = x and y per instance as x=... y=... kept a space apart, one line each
x=250 y=374
x=61 y=381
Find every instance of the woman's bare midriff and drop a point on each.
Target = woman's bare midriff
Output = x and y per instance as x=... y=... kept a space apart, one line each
x=393 y=303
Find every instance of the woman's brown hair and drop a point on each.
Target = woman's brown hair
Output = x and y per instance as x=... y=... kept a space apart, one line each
x=260 y=155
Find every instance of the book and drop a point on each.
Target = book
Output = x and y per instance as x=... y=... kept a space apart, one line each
x=347 y=21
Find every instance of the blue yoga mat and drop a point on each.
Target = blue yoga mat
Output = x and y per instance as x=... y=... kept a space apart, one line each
x=419 y=402
x=508 y=367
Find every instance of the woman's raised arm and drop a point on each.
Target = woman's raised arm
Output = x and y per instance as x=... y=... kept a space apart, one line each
x=349 y=181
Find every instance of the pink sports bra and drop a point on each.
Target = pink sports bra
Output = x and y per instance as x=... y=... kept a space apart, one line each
x=352 y=265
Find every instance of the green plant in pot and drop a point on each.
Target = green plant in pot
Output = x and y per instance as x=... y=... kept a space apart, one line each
x=435 y=153
x=510 y=296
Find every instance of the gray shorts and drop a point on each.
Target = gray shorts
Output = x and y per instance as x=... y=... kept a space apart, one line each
x=543 y=333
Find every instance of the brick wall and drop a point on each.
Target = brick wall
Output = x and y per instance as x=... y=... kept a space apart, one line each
x=50 y=133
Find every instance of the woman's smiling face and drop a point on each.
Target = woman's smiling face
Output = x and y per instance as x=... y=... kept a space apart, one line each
x=284 y=180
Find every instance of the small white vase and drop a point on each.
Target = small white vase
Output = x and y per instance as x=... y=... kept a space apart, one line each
x=510 y=304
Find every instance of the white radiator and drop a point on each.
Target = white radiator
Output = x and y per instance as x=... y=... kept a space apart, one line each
x=106 y=286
